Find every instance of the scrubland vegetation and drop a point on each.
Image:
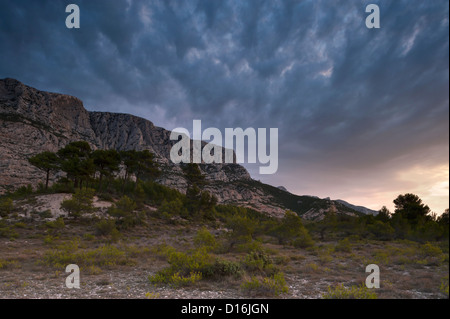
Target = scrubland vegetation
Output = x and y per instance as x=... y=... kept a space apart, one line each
x=187 y=242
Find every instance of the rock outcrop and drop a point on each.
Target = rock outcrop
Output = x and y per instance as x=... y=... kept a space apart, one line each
x=33 y=121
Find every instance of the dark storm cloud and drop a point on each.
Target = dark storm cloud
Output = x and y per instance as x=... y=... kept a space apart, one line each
x=343 y=97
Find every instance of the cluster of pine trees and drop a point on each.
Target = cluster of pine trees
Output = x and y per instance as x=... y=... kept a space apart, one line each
x=82 y=164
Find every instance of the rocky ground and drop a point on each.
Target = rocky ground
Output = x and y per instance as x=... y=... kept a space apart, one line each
x=308 y=272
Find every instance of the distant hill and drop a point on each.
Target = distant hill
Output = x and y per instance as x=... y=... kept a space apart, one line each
x=360 y=209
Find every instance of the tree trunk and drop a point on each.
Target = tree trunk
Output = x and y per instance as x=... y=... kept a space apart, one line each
x=100 y=183
x=124 y=182
x=46 y=181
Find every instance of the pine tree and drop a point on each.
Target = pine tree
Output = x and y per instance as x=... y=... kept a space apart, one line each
x=106 y=162
x=45 y=161
x=76 y=162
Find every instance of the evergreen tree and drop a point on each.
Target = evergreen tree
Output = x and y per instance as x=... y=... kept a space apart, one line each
x=193 y=175
x=45 y=161
x=76 y=162
x=106 y=162
x=384 y=214
x=145 y=167
x=80 y=203
x=410 y=206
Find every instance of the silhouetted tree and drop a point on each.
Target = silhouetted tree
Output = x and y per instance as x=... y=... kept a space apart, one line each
x=383 y=215
x=443 y=219
x=410 y=206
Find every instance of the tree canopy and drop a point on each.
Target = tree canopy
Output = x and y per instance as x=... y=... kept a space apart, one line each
x=410 y=206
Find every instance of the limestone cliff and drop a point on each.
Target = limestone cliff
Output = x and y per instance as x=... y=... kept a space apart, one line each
x=33 y=121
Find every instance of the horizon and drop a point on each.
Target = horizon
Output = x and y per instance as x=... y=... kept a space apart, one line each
x=362 y=113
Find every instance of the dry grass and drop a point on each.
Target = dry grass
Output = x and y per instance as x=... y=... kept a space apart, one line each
x=408 y=269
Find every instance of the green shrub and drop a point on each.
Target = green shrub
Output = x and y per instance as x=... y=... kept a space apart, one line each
x=204 y=238
x=163 y=276
x=185 y=263
x=271 y=286
x=258 y=261
x=381 y=230
x=5 y=264
x=291 y=231
x=23 y=190
x=6 y=206
x=177 y=280
x=124 y=212
x=303 y=239
x=49 y=239
x=105 y=227
x=56 y=224
x=81 y=202
x=7 y=231
x=429 y=250
x=122 y=208
x=106 y=197
x=64 y=185
x=431 y=255
x=252 y=245
x=343 y=246
x=222 y=268
x=45 y=214
x=444 y=286
x=20 y=225
x=243 y=229
x=354 y=292
x=198 y=261
x=175 y=207
x=70 y=253
x=88 y=237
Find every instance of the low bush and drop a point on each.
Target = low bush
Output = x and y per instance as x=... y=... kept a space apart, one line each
x=222 y=268
x=444 y=286
x=7 y=231
x=354 y=292
x=57 y=224
x=205 y=239
x=343 y=246
x=6 y=206
x=106 y=227
x=268 y=286
x=71 y=253
x=5 y=264
x=431 y=255
x=258 y=261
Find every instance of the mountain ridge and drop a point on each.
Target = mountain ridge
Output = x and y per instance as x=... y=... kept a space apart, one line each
x=32 y=121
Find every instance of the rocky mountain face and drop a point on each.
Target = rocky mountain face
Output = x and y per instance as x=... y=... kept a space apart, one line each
x=33 y=121
x=361 y=209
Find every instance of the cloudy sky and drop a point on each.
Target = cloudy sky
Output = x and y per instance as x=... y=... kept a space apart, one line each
x=362 y=114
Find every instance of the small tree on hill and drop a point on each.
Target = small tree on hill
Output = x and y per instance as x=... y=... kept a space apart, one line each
x=410 y=206
x=123 y=208
x=80 y=203
x=292 y=231
x=45 y=161
x=6 y=206
x=383 y=215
